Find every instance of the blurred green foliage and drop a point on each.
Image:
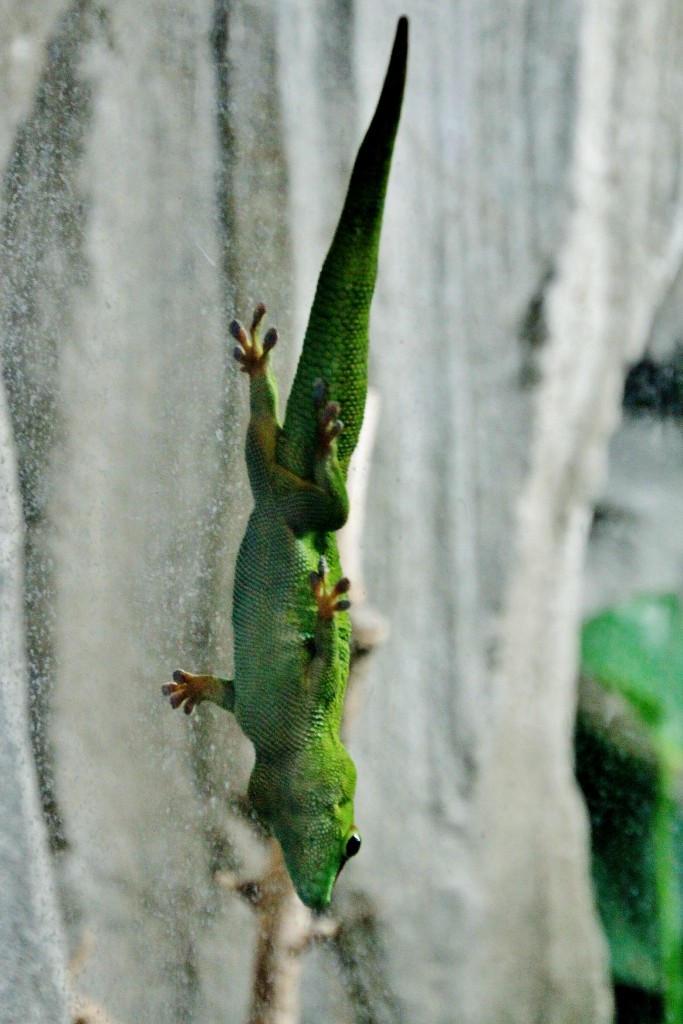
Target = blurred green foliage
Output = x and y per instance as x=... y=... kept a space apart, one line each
x=635 y=650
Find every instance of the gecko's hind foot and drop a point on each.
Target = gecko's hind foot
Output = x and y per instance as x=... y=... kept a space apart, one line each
x=251 y=350
x=190 y=690
x=329 y=424
x=329 y=599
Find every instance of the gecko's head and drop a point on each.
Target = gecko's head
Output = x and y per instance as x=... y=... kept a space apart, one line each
x=313 y=822
x=315 y=859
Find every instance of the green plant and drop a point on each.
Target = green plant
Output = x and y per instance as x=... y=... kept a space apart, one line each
x=635 y=650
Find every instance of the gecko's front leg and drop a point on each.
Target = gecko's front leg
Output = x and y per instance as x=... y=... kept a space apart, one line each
x=189 y=690
x=321 y=503
x=329 y=599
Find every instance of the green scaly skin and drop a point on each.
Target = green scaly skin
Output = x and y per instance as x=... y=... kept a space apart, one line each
x=291 y=623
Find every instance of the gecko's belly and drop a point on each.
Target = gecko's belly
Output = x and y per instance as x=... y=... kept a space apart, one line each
x=273 y=617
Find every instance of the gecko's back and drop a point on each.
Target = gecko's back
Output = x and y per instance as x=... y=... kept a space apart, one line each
x=274 y=619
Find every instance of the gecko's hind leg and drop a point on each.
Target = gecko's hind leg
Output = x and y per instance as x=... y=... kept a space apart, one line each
x=190 y=690
x=321 y=503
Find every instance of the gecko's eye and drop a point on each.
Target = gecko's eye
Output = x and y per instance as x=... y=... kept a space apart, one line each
x=352 y=845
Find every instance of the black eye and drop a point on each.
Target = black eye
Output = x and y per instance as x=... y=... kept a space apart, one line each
x=352 y=845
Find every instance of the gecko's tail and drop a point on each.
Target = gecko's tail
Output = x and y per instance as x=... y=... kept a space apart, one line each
x=335 y=347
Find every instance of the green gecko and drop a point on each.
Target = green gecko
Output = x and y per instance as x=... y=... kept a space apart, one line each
x=291 y=622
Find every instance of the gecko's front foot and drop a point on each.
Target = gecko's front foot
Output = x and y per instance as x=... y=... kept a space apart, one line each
x=329 y=424
x=329 y=599
x=251 y=351
x=190 y=690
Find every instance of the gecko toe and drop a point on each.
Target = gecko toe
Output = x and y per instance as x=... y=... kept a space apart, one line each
x=258 y=316
x=315 y=579
x=238 y=332
x=174 y=693
x=329 y=413
x=270 y=339
x=320 y=389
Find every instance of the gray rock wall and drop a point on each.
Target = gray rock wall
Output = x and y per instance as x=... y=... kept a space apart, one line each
x=167 y=166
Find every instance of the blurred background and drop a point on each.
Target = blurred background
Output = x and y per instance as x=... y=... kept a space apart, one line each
x=166 y=166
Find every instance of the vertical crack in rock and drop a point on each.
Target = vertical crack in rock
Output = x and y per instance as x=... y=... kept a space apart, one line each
x=43 y=263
